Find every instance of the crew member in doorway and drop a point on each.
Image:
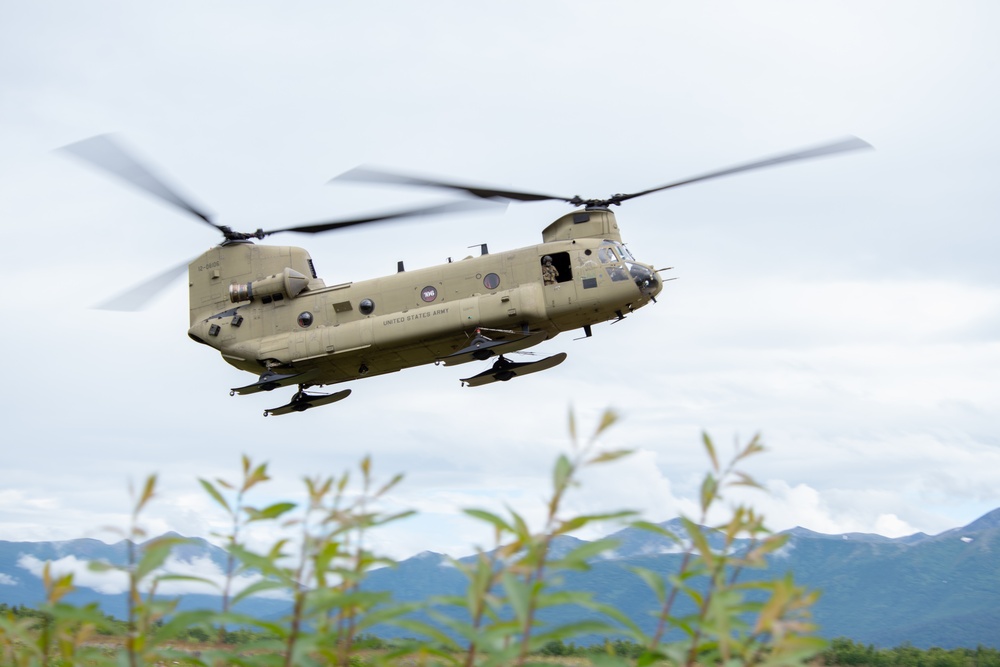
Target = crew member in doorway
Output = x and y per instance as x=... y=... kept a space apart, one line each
x=549 y=272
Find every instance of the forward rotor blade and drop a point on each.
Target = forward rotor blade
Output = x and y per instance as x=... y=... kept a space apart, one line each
x=452 y=207
x=138 y=296
x=105 y=153
x=842 y=146
x=368 y=175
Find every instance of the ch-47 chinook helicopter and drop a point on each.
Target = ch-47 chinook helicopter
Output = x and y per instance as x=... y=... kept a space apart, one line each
x=267 y=312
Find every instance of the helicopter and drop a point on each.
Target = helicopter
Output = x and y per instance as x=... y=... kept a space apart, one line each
x=267 y=312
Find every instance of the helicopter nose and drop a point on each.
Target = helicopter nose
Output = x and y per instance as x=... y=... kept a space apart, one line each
x=647 y=280
x=651 y=286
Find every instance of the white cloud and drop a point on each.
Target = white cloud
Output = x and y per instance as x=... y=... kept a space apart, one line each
x=115 y=582
x=109 y=583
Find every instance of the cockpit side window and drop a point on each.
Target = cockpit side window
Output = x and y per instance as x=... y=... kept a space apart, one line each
x=607 y=254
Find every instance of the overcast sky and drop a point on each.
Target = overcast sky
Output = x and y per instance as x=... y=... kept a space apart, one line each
x=848 y=309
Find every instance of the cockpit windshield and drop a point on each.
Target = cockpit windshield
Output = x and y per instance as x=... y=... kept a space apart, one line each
x=611 y=252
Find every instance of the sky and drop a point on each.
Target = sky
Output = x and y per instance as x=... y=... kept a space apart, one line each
x=846 y=309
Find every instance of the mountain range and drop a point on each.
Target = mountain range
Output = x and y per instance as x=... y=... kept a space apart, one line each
x=925 y=590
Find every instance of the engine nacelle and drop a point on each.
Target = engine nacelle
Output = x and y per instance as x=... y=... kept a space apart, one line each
x=289 y=282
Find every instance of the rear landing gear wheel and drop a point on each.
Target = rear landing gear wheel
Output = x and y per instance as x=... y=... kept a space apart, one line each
x=502 y=370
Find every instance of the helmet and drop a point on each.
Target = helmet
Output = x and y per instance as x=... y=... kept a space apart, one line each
x=547 y=259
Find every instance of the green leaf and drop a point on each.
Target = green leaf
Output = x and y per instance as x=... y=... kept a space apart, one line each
x=257 y=587
x=608 y=419
x=189 y=578
x=518 y=594
x=215 y=494
x=709 y=492
x=698 y=539
x=270 y=512
x=743 y=479
x=155 y=553
x=580 y=521
x=651 y=658
x=103 y=566
x=425 y=629
x=329 y=599
x=710 y=449
x=556 y=598
x=489 y=517
x=182 y=621
x=389 y=485
x=653 y=580
x=234 y=618
x=659 y=530
x=614 y=613
x=578 y=558
x=148 y=490
x=562 y=472
x=613 y=455
x=520 y=527
x=387 y=614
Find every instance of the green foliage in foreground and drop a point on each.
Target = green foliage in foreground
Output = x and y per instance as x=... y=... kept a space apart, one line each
x=846 y=653
x=324 y=561
x=841 y=652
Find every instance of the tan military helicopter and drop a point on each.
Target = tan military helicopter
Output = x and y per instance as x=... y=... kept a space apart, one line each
x=267 y=312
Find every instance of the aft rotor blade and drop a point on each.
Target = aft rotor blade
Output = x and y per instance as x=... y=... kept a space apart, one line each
x=105 y=153
x=452 y=207
x=369 y=175
x=842 y=146
x=138 y=296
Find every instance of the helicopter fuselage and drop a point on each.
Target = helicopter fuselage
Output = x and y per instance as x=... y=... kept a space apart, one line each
x=264 y=309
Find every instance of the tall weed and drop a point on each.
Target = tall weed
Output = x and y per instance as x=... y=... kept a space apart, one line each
x=322 y=563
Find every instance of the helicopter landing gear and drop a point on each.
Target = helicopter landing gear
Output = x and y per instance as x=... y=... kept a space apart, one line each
x=481 y=347
x=302 y=401
x=504 y=369
x=269 y=381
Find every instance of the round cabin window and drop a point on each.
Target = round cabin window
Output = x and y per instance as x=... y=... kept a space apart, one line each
x=305 y=319
x=366 y=306
x=491 y=281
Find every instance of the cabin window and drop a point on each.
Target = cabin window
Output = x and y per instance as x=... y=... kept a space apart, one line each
x=491 y=281
x=305 y=319
x=366 y=306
